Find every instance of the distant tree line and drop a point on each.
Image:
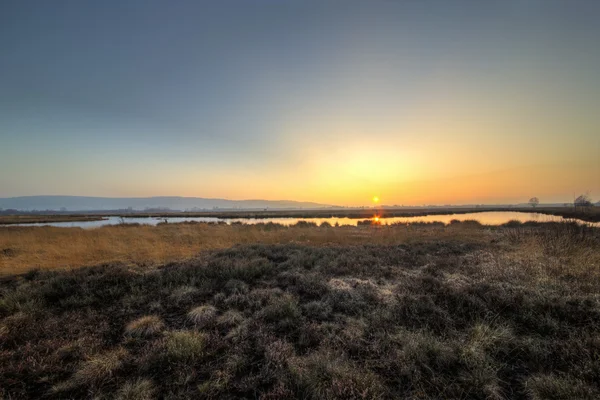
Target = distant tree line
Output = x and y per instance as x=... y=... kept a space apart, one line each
x=581 y=201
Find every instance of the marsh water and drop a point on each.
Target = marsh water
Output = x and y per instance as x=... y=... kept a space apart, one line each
x=485 y=218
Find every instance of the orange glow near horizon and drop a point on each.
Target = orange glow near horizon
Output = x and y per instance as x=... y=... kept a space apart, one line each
x=377 y=106
x=323 y=181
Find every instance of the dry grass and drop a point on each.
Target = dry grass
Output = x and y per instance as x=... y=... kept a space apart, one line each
x=99 y=368
x=146 y=326
x=461 y=312
x=183 y=347
x=25 y=248
x=139 y=389
x=203 y=315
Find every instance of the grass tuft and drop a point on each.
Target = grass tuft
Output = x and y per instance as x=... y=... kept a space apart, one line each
x=139 y=389
x=100 y=367
x=184 y=346
x=147 y=326
x=203 y=315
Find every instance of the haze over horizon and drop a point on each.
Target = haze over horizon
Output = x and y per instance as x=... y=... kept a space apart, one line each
x=429 y=102
x=175 y=203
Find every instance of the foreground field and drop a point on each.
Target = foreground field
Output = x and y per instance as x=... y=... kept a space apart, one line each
x=459 y=312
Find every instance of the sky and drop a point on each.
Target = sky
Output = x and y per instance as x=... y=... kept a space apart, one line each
x=416 y=102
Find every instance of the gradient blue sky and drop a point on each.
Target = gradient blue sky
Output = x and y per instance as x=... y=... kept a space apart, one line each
x=329 y=101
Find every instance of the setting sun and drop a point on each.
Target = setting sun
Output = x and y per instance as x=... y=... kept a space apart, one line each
x=375 y=199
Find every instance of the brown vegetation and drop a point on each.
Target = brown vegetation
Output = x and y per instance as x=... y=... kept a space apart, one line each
x=506 y=313
x=146 y=326
x=24 y=248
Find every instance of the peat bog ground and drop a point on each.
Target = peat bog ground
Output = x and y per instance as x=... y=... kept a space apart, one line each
x=505 y=313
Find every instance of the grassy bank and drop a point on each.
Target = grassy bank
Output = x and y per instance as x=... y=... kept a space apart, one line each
x=44 y=219
x=510 y=313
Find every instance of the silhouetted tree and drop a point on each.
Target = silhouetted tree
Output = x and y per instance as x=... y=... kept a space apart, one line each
x=534 y=201
x=583 y=201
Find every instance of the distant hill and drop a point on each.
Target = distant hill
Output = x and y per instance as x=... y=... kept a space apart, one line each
x=82 y=203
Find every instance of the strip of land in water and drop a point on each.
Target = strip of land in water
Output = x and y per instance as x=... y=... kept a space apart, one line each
x=589 y=214
x=37 y=219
